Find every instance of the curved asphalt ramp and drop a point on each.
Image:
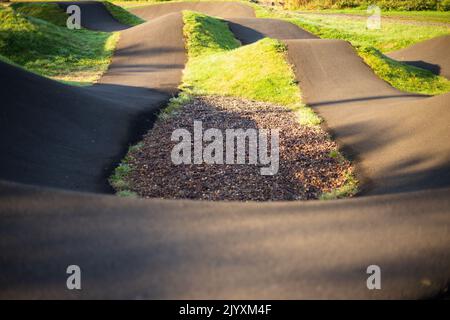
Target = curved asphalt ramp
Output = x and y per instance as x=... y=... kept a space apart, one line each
x=130 y=248
x=72 y=138
x=249 y=30
x=150 y=56
x=433 y=55
x=65 y=136
x=216 y=8
x=400 y=140
x=95 y=16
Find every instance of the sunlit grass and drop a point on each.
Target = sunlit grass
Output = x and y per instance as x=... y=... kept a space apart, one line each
x=52 y=50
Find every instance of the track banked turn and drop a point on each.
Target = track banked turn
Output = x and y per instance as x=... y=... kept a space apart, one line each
x=186 y=249
x=94 y=16
x=432 y=55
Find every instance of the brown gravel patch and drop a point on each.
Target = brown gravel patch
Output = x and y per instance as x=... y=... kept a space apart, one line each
x=306 y=168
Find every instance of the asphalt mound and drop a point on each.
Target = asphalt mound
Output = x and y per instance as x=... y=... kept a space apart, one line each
x=95 y=16
x=433 y=55
x=299 y=177
x=64 y=136
x=154 y=249
x=331 y=72
x=72 y=138
x=220 y=9
x=149 y=56
x=185 y=249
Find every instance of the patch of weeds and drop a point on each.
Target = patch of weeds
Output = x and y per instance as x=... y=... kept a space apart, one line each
x=174 y=105
x=119 y=179
x=135 y=147
x=348 y=189
x=336 y=154
x=127 y=193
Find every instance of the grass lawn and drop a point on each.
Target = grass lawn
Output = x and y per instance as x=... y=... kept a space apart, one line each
x=425 y=16
x=119 y=179
x=392 y=36
x=32 y=37
x=257 y=71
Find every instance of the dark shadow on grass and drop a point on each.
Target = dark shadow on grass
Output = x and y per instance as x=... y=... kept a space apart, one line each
x=246 y=35
x=434 y=68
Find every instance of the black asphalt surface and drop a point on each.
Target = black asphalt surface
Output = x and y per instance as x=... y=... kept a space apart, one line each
x=71 y=137
x=131 y=248
x=214 y=8
x=156 y=62
x=431 y=55
x=400 y=140
x=154 y=249
x=65 y=136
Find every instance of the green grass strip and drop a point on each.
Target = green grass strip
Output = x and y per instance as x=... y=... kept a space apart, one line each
x=217 y=65
x=122 y=15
